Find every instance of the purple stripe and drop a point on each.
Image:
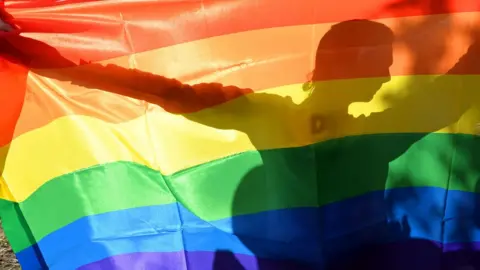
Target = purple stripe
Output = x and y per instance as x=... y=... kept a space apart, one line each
x=200 y=260
x=411 y=255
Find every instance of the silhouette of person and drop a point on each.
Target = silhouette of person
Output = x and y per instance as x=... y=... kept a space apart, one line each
x=350 y=49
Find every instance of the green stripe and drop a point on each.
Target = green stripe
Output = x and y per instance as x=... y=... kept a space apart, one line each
x=284 y=178
x=327 y=172
x=91 y=191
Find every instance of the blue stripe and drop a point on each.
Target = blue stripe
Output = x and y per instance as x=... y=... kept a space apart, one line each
x=304 y=234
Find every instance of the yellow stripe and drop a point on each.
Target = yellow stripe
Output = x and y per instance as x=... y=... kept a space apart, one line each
x=171 y=143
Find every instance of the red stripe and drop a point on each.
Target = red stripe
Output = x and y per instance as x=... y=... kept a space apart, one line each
x=126 y=27
x=42 y=3
x=12 y=96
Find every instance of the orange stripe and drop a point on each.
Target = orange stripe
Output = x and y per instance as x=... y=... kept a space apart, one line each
x=236 y=61
x=126 y=27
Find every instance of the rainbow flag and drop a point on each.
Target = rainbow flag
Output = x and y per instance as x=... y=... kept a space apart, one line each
x=241 y=134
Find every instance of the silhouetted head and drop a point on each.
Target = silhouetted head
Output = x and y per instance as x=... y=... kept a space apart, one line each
x=356 y=49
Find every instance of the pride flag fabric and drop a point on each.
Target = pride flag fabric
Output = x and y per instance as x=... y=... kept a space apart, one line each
x=241 y=134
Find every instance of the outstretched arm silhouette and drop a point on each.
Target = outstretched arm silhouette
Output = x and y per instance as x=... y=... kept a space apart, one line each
x=170 y=94
x=177 y=97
